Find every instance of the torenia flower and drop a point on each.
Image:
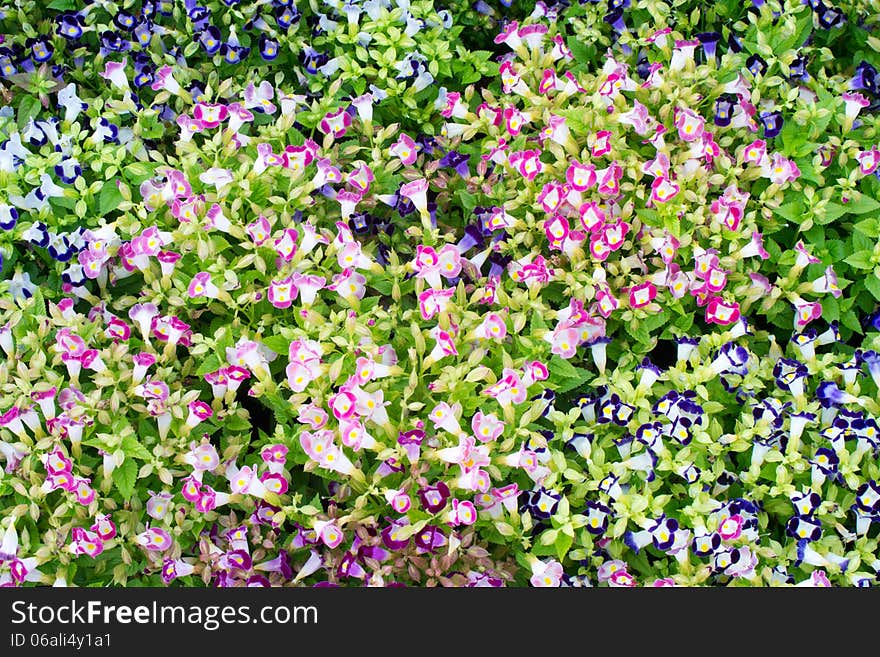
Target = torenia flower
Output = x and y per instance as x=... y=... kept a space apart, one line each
x=115 y=73
x=805 y=312
x=405 y=149
x=319 y=446
x=201 y=286
x=486 y=427
x=492 y=328
x=417 y=192
x=430 y=265
x=546 y=573
x=154 y=540
x=853 y=104
x=690 y=125
x=335 y=123
x=869 y=161
x=260 y=98
x=445 y=417
x=164 y=79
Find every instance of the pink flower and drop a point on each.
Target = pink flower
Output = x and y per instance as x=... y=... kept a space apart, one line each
x=335 y=123
x=433 y=301
x=164 y=79
x=260 y=97
x=343 y=404
x=580 y=176
x=492 y=328
x=827 y=282
x=869 y=160
x=547 y=574
x=601 y=143
x=198 y=412
x=281 y=292
x=592 y=216
x=530 y=165
x=663 y=190
x=805 y=312
x=643 y=294
x=486 y=427
x=417 y=192
x=690 y=125
x=564 y=342
x=211 y=115
x=405 y=149
x=115 y=73
x=755 y=153
x=154 y=539
x=781 y=170
x=259 y=230
x=853 y=104
x=201 y=286
x=720 y=312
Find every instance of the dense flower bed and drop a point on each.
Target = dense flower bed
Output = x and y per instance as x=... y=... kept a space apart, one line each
x=394 y=292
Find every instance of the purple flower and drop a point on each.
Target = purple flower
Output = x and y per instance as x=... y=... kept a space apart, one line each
x=772 y=122
x=457 y=161
x=756 y=65
x=724 y=106
x=434 y=498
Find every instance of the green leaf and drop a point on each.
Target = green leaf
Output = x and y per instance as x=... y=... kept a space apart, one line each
x=28 y=109
x=563 y=544
x=210 y=364
x=277 y=343
x=109 y=198
x=468 y=200
x=831 y=212
x=561 y=369
x=235 y=422
x=863 y=205
x=133 y=448
x=62 y=5
x=124 y=477
x=790 y=211
x=873 y=285
x=861 y=259
x=869 y=227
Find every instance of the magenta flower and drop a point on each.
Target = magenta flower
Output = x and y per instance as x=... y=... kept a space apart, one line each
x=154 y=539
x=157 y=505
x=720 y=312
x=335 y=123
x=259 y=230
x=163 y=79
x=282 y=292
x=211 y=115
x=805 y=312
x=201 y=286
x=546 y=574
x=690 y=125
x=643 y=294
x=405 y=149
x=580 y=177
x=85 y=542
x=601 y=143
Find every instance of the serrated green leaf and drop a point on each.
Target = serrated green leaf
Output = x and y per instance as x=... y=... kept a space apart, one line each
x=133 y=448
x=860 y=259
x=277 y=343
x=109 y=198
x=863 y=205
x=124 y=477
x=873 y=285
x=563 y=544
x=210 y=364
